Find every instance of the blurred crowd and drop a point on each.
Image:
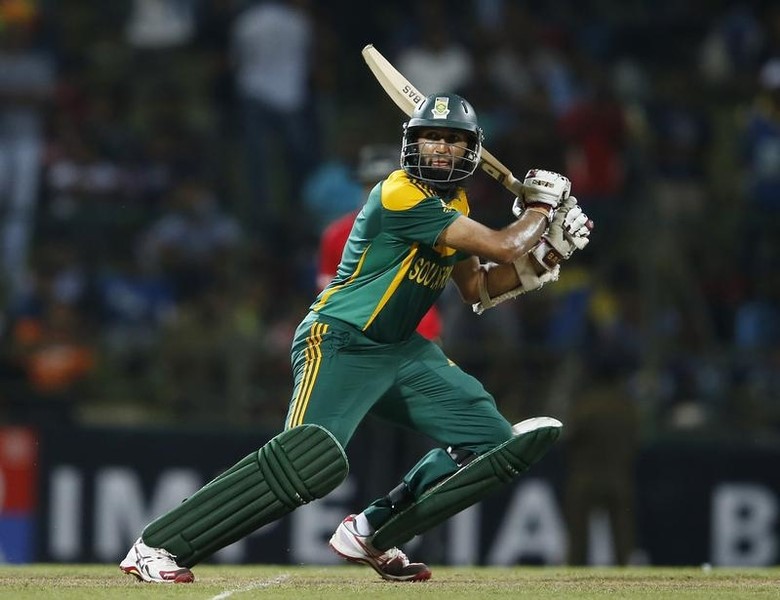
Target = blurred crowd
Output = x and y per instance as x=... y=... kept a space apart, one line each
x=167 y=168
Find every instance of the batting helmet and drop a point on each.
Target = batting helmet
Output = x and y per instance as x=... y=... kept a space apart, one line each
x=446 y=111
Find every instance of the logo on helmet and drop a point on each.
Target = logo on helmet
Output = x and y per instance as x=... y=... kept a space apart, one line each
x=441 y=108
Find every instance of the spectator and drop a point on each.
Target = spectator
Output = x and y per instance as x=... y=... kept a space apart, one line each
x=761 y=162
x=757 y=318
x=601 y=446
x=160 y=23
x=26 y=84
x=192 y=242
x=51 y=338
x=55 y=355
x=134 y=306
x=272 y=47
x=731 y=48
x=436 y=61
x=594 y=130
x=332 y=189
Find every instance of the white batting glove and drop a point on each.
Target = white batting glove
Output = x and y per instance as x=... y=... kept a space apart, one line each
x=543 y=191
x=569 y=231
x=517 y=207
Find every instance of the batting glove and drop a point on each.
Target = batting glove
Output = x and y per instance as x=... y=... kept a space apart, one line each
x=543 y=191
x=569 y=231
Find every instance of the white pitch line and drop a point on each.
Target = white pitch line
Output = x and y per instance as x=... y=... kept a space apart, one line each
x=253 y=586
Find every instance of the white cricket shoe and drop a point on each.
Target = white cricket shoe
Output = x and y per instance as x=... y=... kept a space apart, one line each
x=154 y=565
x=391 y=564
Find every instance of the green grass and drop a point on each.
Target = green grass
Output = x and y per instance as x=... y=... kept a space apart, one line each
x=97 y=582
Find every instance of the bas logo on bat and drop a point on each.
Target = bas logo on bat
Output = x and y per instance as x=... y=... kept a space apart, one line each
x=413 y=94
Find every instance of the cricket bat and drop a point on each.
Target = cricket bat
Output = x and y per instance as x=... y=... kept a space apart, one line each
x=407 y=97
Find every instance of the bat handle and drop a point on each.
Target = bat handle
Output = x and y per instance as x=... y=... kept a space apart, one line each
x=504 y=177
x=513 y=185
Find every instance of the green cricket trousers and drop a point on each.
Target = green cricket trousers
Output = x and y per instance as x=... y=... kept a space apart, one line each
x=341 y=375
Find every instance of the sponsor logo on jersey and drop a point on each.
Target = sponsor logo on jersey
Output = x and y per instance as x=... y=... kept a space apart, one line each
x=429 y=274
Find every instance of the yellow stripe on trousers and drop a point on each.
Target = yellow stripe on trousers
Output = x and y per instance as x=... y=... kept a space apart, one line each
x=313 y=354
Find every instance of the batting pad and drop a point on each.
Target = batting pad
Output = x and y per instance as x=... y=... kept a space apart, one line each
x=479 y=478
x=295 y=467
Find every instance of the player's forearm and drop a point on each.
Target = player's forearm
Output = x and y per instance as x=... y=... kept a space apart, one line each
x=501 y=278
x=499 y=274
x=527 y=231
x=520 y=236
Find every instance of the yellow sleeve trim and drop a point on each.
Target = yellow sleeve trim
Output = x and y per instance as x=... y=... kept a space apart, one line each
x=400 y=193
x=461 y=203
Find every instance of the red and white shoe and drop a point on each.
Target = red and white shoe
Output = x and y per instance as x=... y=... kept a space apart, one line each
x=154 y=565
x=391 y=564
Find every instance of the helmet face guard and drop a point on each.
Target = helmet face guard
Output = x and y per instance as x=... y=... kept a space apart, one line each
x=415 y=163
x=442 y=111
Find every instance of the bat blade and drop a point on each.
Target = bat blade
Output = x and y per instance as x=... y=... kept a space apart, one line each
x=407 y=97
x=400 y=90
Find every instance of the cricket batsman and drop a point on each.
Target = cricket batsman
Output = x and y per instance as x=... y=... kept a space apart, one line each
x=356 y=351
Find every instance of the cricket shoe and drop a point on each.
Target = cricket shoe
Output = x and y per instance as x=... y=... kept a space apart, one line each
x=391 y=564
x=154 y=565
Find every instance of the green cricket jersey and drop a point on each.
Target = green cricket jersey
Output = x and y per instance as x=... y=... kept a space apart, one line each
x=391 y=271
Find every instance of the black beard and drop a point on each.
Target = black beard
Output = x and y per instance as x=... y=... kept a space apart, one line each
x=436 y=173
x=446 y=190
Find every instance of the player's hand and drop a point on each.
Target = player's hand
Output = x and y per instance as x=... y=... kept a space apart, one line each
x=569 y=231
x=543 y=191
x=575 y=226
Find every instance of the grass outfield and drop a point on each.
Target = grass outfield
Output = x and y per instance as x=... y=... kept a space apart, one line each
x=98 y=582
